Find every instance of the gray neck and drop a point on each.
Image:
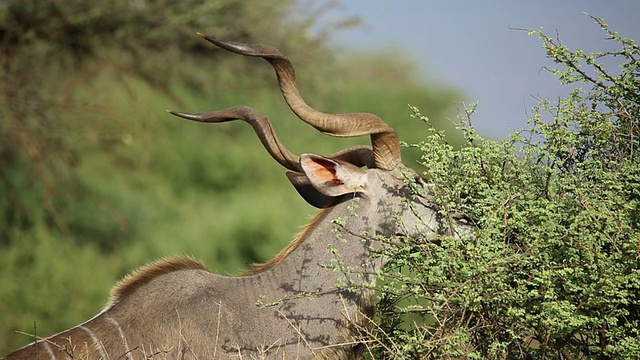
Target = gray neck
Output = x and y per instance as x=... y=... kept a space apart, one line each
x=333 y=261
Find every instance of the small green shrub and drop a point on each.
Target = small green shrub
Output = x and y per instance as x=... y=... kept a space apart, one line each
x=553 y=271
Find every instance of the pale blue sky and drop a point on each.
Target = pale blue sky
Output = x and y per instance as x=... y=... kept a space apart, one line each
x=468 y=44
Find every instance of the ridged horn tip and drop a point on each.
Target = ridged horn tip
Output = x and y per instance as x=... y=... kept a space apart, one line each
x=188 y=116
x=244 y=49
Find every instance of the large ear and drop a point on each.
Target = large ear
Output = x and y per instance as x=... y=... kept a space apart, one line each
x=308 y=192
x=333 y=177
x=324 y=180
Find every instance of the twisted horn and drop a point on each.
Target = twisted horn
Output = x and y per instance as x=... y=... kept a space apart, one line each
x=384 y=140
x=358 y=155
x=260 y=124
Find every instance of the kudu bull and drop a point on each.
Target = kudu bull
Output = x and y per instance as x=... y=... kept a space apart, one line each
x=307 y=302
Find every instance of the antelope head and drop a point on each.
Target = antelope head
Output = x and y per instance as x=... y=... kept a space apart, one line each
x=375 y=172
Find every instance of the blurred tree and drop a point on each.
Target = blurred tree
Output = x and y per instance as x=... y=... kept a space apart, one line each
x=49 y=49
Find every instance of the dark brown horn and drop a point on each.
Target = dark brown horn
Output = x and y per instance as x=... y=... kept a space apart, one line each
x=260 y=124
x=384 y=140
x=357 y=155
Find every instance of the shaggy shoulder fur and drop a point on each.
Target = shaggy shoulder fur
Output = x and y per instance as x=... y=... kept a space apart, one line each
x=149 y=271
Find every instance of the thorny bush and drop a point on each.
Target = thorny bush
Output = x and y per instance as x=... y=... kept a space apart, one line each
x=553 y=271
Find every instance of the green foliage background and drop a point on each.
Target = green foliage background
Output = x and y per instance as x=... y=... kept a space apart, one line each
x=96 y=179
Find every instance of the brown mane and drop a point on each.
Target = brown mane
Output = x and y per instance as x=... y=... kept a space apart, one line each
x=150 y=271
x=260 y=267
x=167 y=265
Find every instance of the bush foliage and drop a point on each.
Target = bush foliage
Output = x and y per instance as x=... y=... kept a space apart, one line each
x=553 y=271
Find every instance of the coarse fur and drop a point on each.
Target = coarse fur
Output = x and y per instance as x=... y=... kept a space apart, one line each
x=149 y=272
x=297 y=240
x=294 y=306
